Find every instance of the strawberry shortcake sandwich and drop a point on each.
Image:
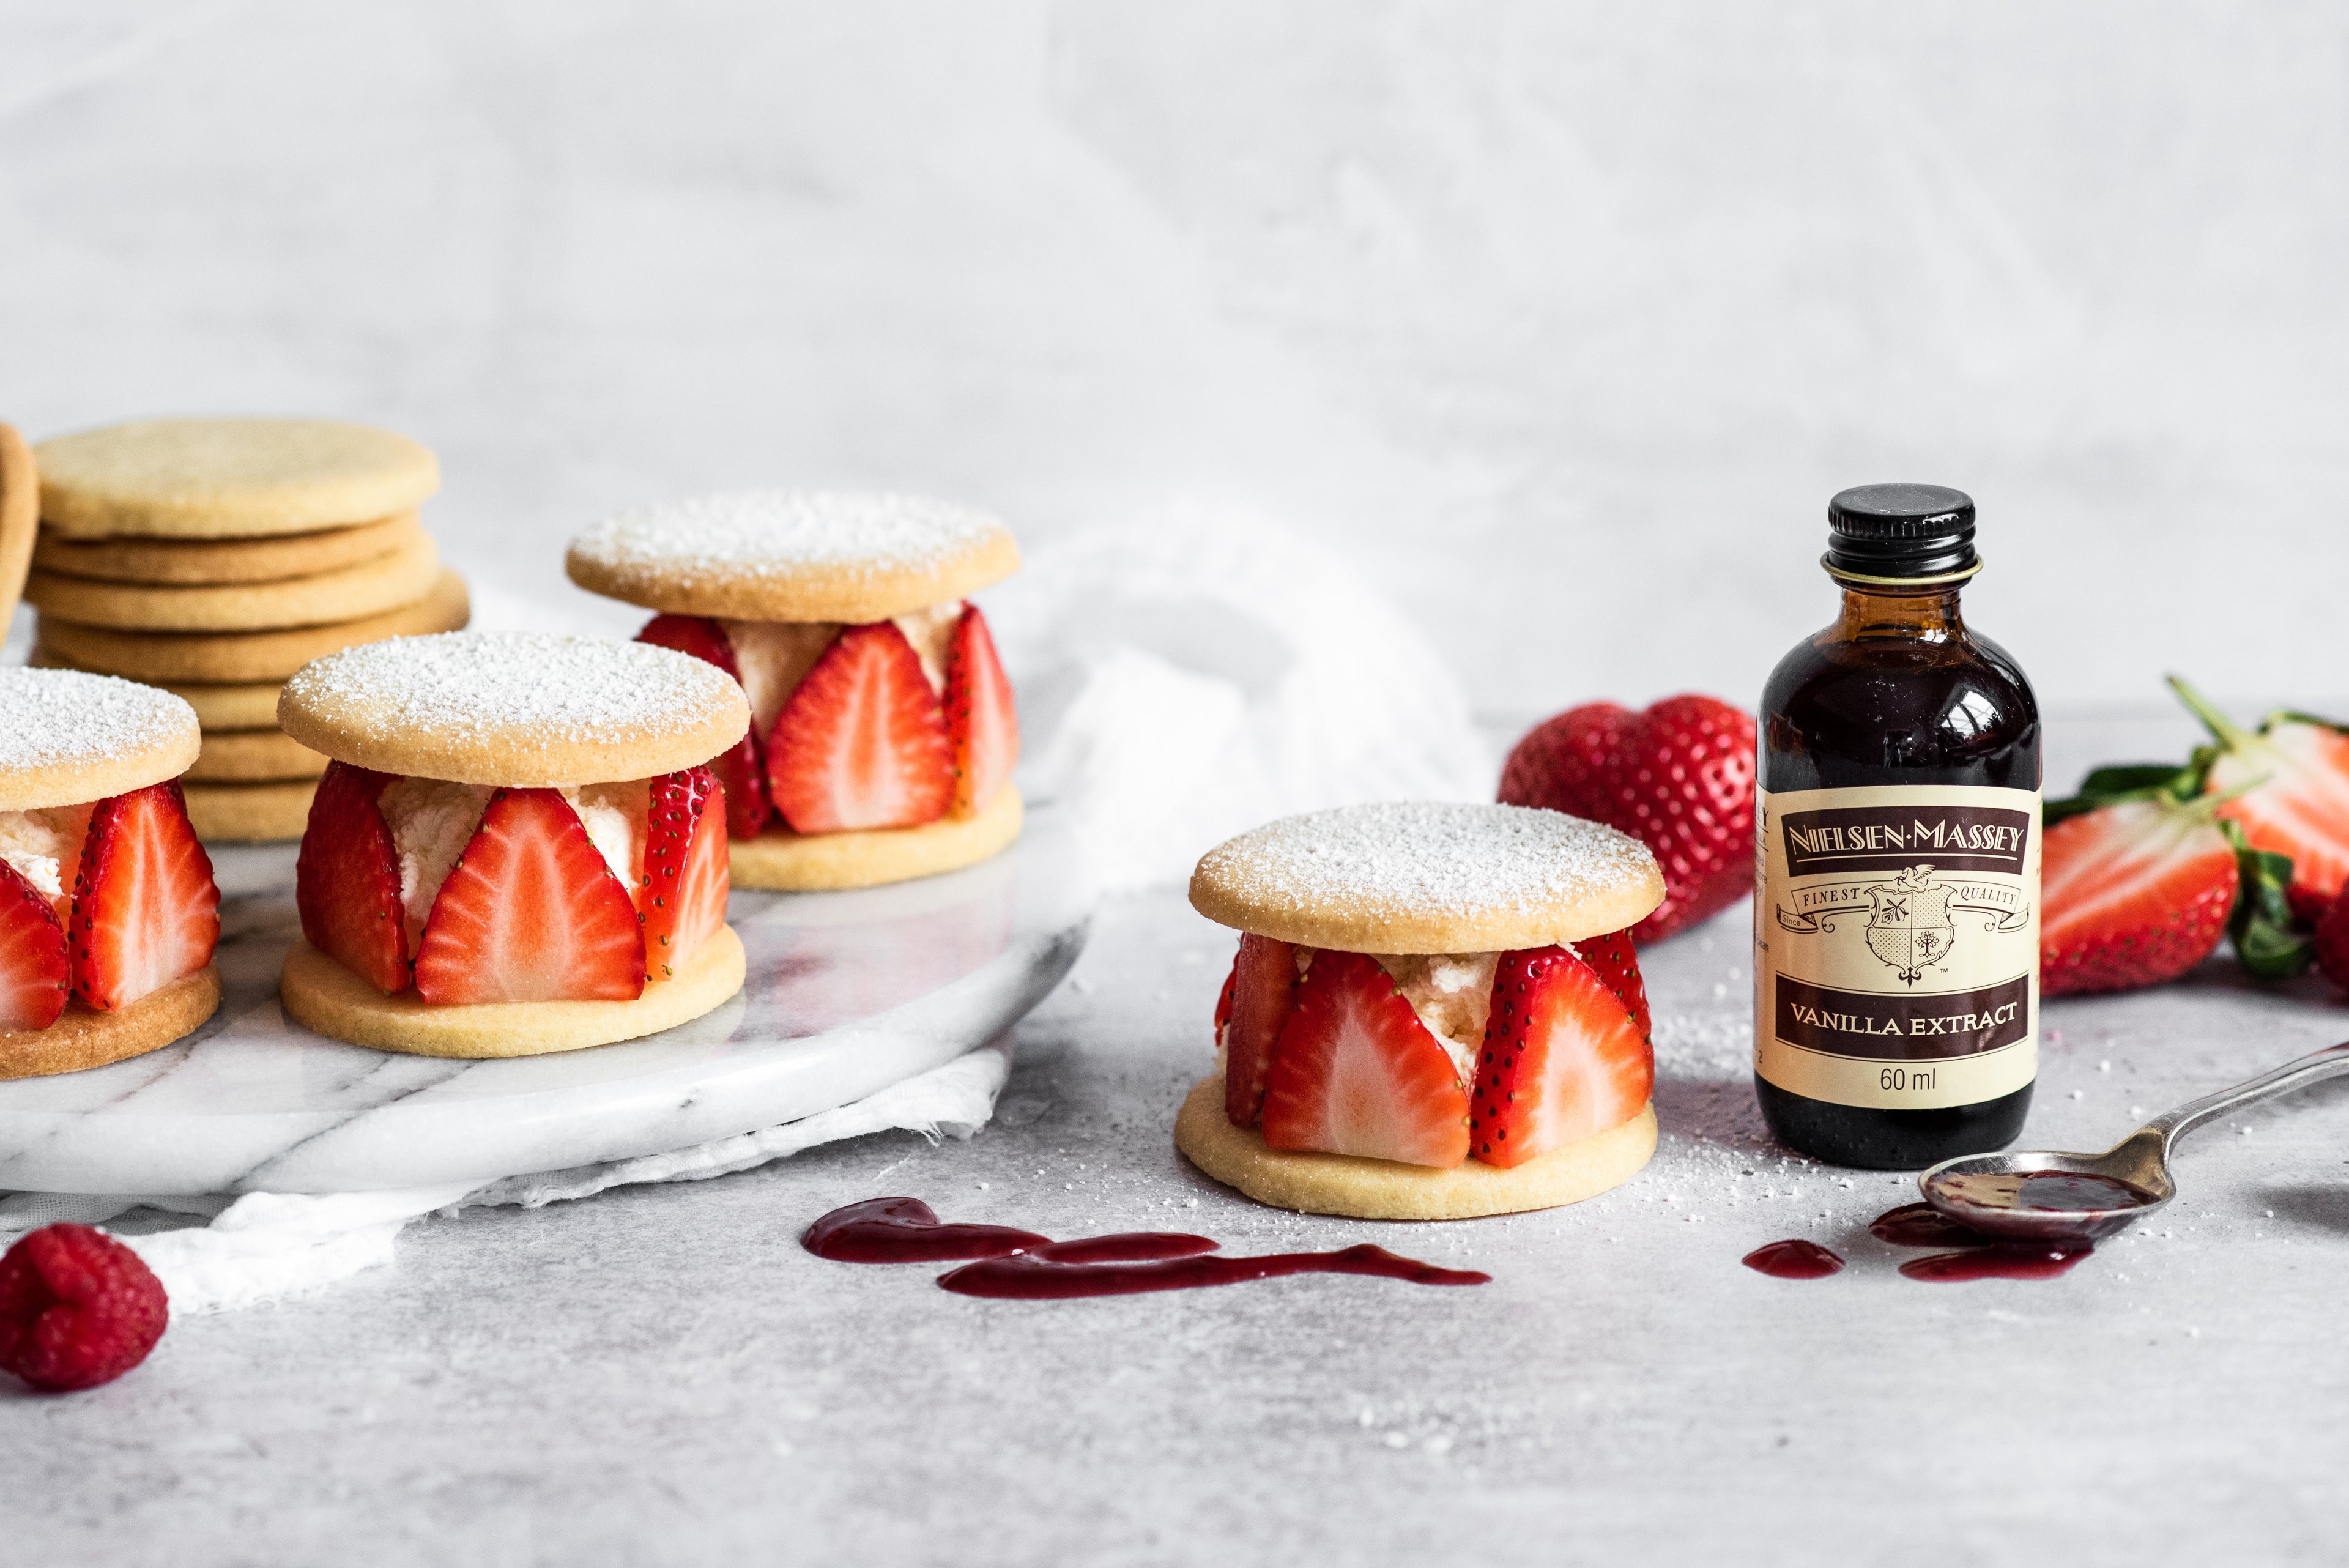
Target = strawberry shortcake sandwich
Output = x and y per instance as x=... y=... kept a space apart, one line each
x=108 y=915
x=882 y=734
x=518 y=845
x=1435 y=1013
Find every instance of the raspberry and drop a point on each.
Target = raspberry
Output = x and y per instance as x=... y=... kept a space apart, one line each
x=78 y=1308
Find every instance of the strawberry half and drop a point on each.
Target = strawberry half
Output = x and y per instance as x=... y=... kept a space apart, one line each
x=1612 y=958
x=347 y=879
x=35 y=978
x=741 y=769
x=981 y=724
x=1263 y=991
x=2290 y=782
x=683 y=899
x=1679 y=777
x=1563 y=1059
x=530 y=913
x=861 y=742
x=2132 y=894
x=145 y=908
x=1357 y=1073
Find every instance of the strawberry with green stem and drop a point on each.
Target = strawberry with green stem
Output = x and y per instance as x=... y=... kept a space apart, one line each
x=2287 y=787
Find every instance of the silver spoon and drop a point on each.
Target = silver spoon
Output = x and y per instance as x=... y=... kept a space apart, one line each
x=2081 y=1198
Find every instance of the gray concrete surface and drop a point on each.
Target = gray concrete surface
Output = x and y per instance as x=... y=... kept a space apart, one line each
x=660 y=1375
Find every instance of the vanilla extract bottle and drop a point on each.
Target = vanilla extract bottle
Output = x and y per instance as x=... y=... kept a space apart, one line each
x=1896 y=909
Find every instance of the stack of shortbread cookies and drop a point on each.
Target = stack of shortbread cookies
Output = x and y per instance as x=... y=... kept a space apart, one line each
x=214 y=559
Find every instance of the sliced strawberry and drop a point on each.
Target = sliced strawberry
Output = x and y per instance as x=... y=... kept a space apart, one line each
x=683 y=899
x=1357 y=1073
x=1615 y=961
x=1264 y=993
x=1223 y=1001
x=145 y=908
x=862 y=743
x=347 y=879
x=530 y=913
x=2132 y=894
x=981 y=723
x=1563 y=1059
x=2290 y=784
x=34 y=979
x=741 y=769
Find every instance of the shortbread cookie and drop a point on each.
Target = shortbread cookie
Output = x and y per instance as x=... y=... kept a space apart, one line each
x=1384 y=1190
x=189 y=562
x=83 y=1037
x=243 y=657
x=228 y=479
x=321 y=993
x=515 y=708
x=807 y=862
x=250 y=813
x=1428 y=877
x=254 y=756
x=795 y=556
x=371 y=588
x=242 y=707
x=68 y=737
x=20 y=516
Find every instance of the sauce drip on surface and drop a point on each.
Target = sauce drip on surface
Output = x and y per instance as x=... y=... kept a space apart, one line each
x=1793 y=1260
x=1020 y=1265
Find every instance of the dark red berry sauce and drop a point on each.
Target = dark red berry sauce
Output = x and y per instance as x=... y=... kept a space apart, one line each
x=1793 y=1260
x=1019 y=1265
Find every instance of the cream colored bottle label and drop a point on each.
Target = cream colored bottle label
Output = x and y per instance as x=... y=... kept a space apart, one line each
x=1896 y=944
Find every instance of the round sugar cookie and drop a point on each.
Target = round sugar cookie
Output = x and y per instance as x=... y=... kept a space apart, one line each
x=229 y=478
x=400 y=577
x=68 y=737
x=781 y=860
x=515 y=708
x=1426 y=876
x=1384 y=1190
x=250 y=813
x=778 y=555
x=83 y=1037
x=20 y=517
x=246 y=707
x=245 y=657
x=210 y=561
x=323 y=995
x=254 y=756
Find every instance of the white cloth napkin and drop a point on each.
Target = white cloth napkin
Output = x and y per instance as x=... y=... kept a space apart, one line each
x=1179 y=682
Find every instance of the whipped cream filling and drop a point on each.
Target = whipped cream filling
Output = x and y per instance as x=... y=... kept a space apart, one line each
x=432 y=820
x=38 y=844
x=775 y=655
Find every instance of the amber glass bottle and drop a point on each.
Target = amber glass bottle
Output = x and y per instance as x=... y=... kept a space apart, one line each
x=1895 y=925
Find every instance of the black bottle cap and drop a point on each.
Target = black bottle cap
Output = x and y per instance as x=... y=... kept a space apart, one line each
x=1901 y=533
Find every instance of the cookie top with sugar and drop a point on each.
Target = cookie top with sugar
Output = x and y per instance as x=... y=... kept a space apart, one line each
x=1424 y=877
x=780 y=555
x=68 y=737
x=229 y=478
x=514 y=708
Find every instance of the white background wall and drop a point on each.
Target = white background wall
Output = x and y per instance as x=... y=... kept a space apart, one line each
x=1565 y=319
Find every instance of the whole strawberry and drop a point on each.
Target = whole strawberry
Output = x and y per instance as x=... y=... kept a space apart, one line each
x=78 y=1308
x=1679 y=777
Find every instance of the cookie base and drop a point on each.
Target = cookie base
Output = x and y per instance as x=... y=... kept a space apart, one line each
x=1384 y=1190
x=792 y=862
x=82 y=1038
x=321 y=994
x=249 y=812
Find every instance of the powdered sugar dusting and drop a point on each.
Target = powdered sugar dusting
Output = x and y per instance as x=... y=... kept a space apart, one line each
x=463 y=685
x=53 y=717
x=1441 y=859
x=762 y=534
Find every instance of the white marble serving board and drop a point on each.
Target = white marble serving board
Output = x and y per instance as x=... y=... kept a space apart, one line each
x=848 y=993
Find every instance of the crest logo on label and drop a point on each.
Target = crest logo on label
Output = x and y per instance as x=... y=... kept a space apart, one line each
x=1909 y=924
